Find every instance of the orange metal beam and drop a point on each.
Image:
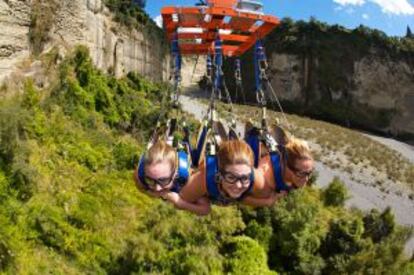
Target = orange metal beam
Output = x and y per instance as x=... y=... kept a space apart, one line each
x=218 y=10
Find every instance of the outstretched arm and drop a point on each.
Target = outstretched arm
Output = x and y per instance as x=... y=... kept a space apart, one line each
x=264 y=202
x=193 y=195
x=201 y=207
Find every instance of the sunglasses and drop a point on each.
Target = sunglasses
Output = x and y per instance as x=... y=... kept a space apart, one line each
x=302 y=174
x=163 y=182
x=233 y=179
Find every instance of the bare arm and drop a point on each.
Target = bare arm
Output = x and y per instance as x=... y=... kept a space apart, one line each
x=201 y=207
x=262 y=195
x=264 y=202
x=193 y=196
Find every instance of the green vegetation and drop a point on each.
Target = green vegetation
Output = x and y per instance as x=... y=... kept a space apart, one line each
x=133 y=16
x=68 y=204
x=335 y=194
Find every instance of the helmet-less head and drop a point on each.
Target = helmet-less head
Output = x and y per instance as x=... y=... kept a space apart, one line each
x=299 y=162
x=235 y=164
x=160 y=163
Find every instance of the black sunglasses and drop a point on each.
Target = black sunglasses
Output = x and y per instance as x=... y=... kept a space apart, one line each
x=302 y=174
x=163 y=182
x=233 y=179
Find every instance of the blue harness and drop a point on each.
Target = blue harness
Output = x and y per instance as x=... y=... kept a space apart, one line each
x=182 y=172
x=277 y=172
x=214 y=193
x=252 y=138
x=196 y=153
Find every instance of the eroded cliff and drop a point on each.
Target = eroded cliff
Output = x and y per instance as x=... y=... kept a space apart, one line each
x=359 y=78
x=35 y=26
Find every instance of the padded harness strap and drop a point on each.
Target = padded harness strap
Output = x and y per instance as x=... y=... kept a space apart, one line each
x=277 y=172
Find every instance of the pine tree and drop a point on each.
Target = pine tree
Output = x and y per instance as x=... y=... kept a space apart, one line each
x=409 y=33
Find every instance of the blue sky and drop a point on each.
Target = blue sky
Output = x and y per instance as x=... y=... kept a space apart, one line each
x=390 y=16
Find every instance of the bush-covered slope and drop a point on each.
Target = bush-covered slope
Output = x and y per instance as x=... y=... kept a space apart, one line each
x=68 y=204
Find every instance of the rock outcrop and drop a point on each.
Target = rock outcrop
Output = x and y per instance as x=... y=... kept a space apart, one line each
x=113 y=47
x=354 y=78
x=380 y=86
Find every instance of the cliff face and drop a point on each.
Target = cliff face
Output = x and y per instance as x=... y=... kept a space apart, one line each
x=113 y=47
x=348 y=77
x=380 y=95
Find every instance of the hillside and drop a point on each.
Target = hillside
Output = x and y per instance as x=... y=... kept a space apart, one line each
x=359 y=78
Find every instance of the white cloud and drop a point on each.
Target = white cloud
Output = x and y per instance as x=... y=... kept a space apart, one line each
x=350 y=2
x=397 y=7
x=158 y=21
x=365 y=16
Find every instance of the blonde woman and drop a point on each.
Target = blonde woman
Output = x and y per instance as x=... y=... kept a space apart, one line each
x=228 y=178
x=288 y=168
x=162 y=172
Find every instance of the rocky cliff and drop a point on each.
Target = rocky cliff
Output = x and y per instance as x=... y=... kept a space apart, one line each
x=359 y=78
x=29 y=26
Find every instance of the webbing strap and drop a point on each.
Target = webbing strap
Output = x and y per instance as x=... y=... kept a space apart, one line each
x=141 y=172
x=277 y=172
x=259 y=59
x=175 y=51
x=253 y=139
x=183 y=168
x=209 y=65
x=211 y=172
x=218 y=62
x=196 y=154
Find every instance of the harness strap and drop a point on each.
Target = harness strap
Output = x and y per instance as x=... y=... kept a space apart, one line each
x=253 y=139
x=196 y=154
x=211 y=172
x=277 y=172
x=141 y=172
x=183 y=168
x=218 y=62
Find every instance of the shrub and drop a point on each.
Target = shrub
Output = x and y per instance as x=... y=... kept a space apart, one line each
x=335 y=194
x=245 y=256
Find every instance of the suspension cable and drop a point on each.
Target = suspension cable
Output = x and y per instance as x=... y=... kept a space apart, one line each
x=260 y=73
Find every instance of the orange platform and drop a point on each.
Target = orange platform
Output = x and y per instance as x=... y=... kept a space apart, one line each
x=197 y=27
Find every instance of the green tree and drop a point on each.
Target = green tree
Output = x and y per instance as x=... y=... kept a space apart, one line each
x=409 y=33
x=335 y=194
x=245 y=256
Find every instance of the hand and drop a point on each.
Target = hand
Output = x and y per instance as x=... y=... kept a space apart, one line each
x=172 y=197
x=274 y=197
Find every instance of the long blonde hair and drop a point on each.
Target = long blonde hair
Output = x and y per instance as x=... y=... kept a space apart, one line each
x=234 y=152
x=297 y=149
x=160 y=152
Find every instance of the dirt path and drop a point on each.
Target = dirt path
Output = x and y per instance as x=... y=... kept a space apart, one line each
x=364 y=197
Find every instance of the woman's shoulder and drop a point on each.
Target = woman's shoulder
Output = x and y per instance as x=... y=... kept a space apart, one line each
x=195 y=187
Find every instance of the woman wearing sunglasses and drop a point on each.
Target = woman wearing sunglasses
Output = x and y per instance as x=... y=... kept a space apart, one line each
x=162 y=172
x=227 y=178
x=288 y=168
